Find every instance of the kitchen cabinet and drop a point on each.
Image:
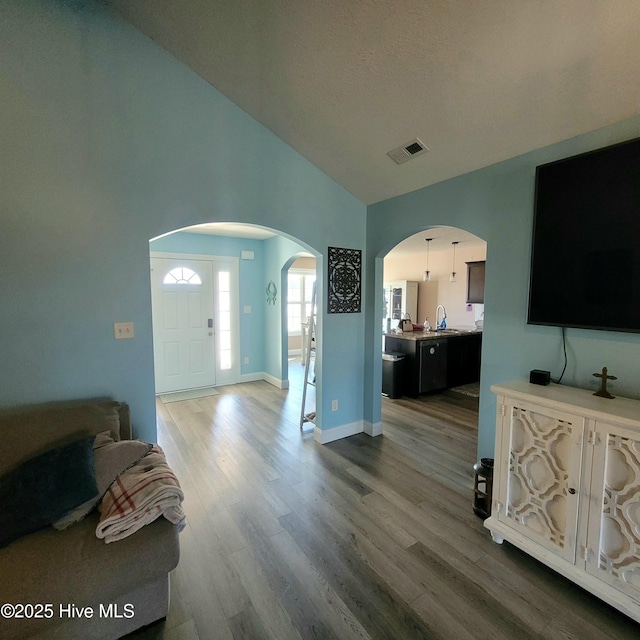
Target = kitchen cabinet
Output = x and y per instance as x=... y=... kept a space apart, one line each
x=433 y=362
x=566 y=485
x=400 y=300
x=475 y=281
x=425 y=365
x=410 y=371
x=463 y=359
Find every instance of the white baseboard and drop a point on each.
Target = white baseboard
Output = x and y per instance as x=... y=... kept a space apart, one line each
x=372 y=429
x=251 y=377
x=276 y=382
x=337 y=433
x=267 y=377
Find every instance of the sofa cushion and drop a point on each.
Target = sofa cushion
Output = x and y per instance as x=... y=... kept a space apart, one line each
x=73 y=566
x=110 y=460
x=30 y=431
x=45 y=487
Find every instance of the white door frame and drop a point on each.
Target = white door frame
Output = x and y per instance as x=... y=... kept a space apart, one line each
x=230 y=376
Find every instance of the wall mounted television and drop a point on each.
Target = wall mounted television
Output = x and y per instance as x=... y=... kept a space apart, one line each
x=585 y=257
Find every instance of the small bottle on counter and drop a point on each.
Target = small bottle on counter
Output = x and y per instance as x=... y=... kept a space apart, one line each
x=426 y=326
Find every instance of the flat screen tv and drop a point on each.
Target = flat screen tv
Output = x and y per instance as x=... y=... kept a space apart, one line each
x=585 y=259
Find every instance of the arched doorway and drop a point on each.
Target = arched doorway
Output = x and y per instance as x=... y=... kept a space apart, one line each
x=299 y=275
x=256 y=346
x=433 y=277
x=300 y=343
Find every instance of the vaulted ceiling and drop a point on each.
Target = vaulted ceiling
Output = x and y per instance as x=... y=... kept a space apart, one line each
x=345 y=81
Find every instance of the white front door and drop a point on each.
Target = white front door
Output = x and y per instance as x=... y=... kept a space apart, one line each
x=183 y=323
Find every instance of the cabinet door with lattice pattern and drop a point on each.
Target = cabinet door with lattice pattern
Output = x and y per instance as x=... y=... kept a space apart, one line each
x=539 y=495
x=613 y=543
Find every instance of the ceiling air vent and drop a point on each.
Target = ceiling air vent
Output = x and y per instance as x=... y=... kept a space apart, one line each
x=408 y=151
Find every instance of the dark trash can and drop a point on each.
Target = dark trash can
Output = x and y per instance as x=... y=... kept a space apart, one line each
x=392 y=374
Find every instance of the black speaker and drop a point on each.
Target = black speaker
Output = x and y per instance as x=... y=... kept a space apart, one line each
x=536 y=376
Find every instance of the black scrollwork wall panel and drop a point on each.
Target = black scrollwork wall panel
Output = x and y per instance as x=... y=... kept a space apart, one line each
x=345 y=280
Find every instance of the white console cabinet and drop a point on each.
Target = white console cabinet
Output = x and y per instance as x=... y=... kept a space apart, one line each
x=566 y=485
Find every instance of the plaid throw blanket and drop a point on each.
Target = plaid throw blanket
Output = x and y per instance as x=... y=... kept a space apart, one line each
x=138 y=496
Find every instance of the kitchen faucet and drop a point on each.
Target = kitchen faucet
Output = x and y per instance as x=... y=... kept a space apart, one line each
x=440 y=324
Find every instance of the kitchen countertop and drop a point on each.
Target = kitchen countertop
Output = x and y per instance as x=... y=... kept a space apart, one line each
x=433 y=335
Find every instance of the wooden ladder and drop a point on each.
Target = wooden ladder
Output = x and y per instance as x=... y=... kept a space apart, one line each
x=311 y=336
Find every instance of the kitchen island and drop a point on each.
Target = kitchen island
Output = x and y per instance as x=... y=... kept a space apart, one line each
x=436 y=360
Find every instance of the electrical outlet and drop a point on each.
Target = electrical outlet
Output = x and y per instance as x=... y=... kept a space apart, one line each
x=246 y=360
x=334 y=405
x=123 y=330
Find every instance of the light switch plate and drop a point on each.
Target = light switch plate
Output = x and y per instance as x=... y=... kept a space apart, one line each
x=123 y=330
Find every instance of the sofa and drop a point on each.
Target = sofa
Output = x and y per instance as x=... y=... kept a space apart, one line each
x=69 y=583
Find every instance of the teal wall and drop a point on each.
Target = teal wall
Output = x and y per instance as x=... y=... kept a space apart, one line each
x=108 y=141
x=496 y=204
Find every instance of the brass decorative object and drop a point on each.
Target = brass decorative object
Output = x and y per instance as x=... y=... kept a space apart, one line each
x=602 y=392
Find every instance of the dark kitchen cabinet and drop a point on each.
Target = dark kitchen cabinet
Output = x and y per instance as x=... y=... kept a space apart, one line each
x=409 y=375
x=475 y=281
x=437 y=363
x=463 y=359
x=425 y=363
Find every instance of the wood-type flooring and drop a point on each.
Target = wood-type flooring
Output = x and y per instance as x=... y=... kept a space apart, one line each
x=361 y=538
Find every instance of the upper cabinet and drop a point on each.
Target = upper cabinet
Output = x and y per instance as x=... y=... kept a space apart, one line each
x=475 y=281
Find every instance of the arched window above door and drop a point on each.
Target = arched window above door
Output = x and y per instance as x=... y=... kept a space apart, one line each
x=182 y=275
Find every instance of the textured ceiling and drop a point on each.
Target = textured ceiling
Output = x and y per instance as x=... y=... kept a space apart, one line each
x=345 y=81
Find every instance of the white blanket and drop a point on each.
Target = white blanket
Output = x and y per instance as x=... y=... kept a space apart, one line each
x=138 y=496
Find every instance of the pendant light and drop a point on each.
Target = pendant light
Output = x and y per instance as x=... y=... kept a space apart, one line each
x=427 y=276
x=453 y=277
